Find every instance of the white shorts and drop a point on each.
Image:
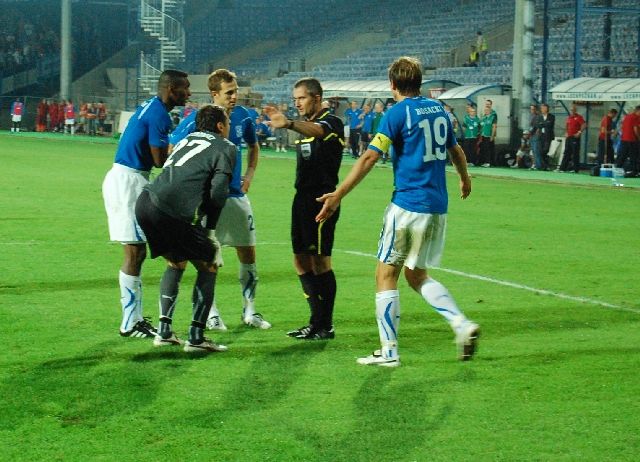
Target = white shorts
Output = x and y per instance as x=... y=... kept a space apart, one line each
x=415 y=240
x=16 y=118
x=120 y=190
x=236 y=227
x=69 y=121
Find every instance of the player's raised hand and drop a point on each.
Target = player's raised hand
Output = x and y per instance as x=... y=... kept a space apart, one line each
x=331 y=202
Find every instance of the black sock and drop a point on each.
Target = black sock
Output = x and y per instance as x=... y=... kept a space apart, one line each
x=202 y=298
x=196 y=332
x=169 y=287
x=326 y=283
x=308 y=281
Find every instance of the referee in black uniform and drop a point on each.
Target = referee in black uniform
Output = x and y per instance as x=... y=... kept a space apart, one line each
x=190 y=191
x=319 y=153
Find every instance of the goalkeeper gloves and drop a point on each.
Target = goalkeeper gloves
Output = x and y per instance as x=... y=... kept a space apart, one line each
x=217 y=259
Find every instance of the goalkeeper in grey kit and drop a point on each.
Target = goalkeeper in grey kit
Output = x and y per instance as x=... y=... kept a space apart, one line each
x=178 y=213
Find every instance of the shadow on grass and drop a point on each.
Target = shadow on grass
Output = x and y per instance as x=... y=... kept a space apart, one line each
x=393 y=415
x=267 y=380
x=81 y=390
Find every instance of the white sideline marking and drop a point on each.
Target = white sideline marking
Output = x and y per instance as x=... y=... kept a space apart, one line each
x=518 y=286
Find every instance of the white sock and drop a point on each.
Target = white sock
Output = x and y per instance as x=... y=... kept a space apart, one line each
x=248 y=278
x=131 y=300
x=213 y=312
x=441 y=300
x=388 y=317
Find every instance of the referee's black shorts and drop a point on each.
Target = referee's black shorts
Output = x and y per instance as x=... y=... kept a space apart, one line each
x=307 y=236
x=169 y=237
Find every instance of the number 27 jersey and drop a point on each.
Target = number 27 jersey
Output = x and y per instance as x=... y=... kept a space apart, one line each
x=420 y=132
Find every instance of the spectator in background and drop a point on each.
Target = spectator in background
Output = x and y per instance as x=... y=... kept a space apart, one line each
x=534 y=133
x=375 y=123
x=605 y=144
x=91 y=116
x=630 y=143
x=488 y=128
x=281 y=133
x=471 y=125
x=352 y=119
x=473 y=58
x=523 y=156
x=16 y=115
x=546 y=130
x=60 y=126
x=575 y=125
x=365 y=131
x=53 y=116
x=41 y=115
x=102 y=116
x=69 y=118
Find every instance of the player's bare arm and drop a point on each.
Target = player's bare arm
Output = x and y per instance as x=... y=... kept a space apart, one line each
x=460 y=163
x=253 y=152
x=159 y=155
x=360 y=169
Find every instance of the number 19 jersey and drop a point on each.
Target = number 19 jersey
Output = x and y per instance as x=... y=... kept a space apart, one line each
x=420 y=132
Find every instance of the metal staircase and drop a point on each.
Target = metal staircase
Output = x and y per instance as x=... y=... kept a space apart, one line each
x=161 y=19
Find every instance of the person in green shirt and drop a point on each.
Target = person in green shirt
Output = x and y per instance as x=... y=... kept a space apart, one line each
x=471 y=125
x=488 y=127
x=377 y=117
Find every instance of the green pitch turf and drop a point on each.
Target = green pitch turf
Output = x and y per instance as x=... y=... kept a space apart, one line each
x=546 y=264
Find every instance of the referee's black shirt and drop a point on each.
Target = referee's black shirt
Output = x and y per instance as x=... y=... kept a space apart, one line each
x=319 y=158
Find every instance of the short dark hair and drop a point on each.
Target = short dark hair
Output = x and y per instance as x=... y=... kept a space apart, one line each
x=406 y=74
x=614 y=110
x=171 y=78
x=214 y=82
x=311 y=84
x=545 y=105
x=208 y=117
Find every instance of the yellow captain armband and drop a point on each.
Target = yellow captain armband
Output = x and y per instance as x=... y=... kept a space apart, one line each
x=381 y=142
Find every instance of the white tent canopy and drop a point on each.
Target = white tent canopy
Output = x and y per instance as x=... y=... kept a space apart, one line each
x=371 y=89
x=597 y=89
x=467 y=91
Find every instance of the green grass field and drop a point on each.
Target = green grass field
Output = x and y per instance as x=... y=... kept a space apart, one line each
x=549 y=270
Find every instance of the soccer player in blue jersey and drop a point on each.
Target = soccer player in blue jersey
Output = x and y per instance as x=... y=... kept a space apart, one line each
x=236 y=226
x=352 y=118
x=144 y=144
x=413 y=231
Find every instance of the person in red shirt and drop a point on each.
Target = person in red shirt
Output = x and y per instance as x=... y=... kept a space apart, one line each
x=61 y=116
x=69 y=118
x=605 y=145
x=53 y=116
x=630 y=143
x=41 y=116
x=575 y=126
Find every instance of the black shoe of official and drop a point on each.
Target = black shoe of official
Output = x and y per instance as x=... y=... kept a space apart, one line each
x=318 y=334
x=299 y=331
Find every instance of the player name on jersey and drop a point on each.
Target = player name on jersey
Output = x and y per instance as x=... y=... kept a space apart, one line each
x=429 y=110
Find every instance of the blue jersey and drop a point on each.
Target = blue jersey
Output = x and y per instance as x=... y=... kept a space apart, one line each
x=420 y=132
x=353 y=117
x=242 y=127
x=367 y=122
x=148 y=126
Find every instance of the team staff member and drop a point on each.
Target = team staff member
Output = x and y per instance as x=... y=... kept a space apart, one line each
x=575 y=126
x=143 y=145
x=236 y=227
x=319 y=154
x=193 y=185
x=413 y=232
x=630 y=141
